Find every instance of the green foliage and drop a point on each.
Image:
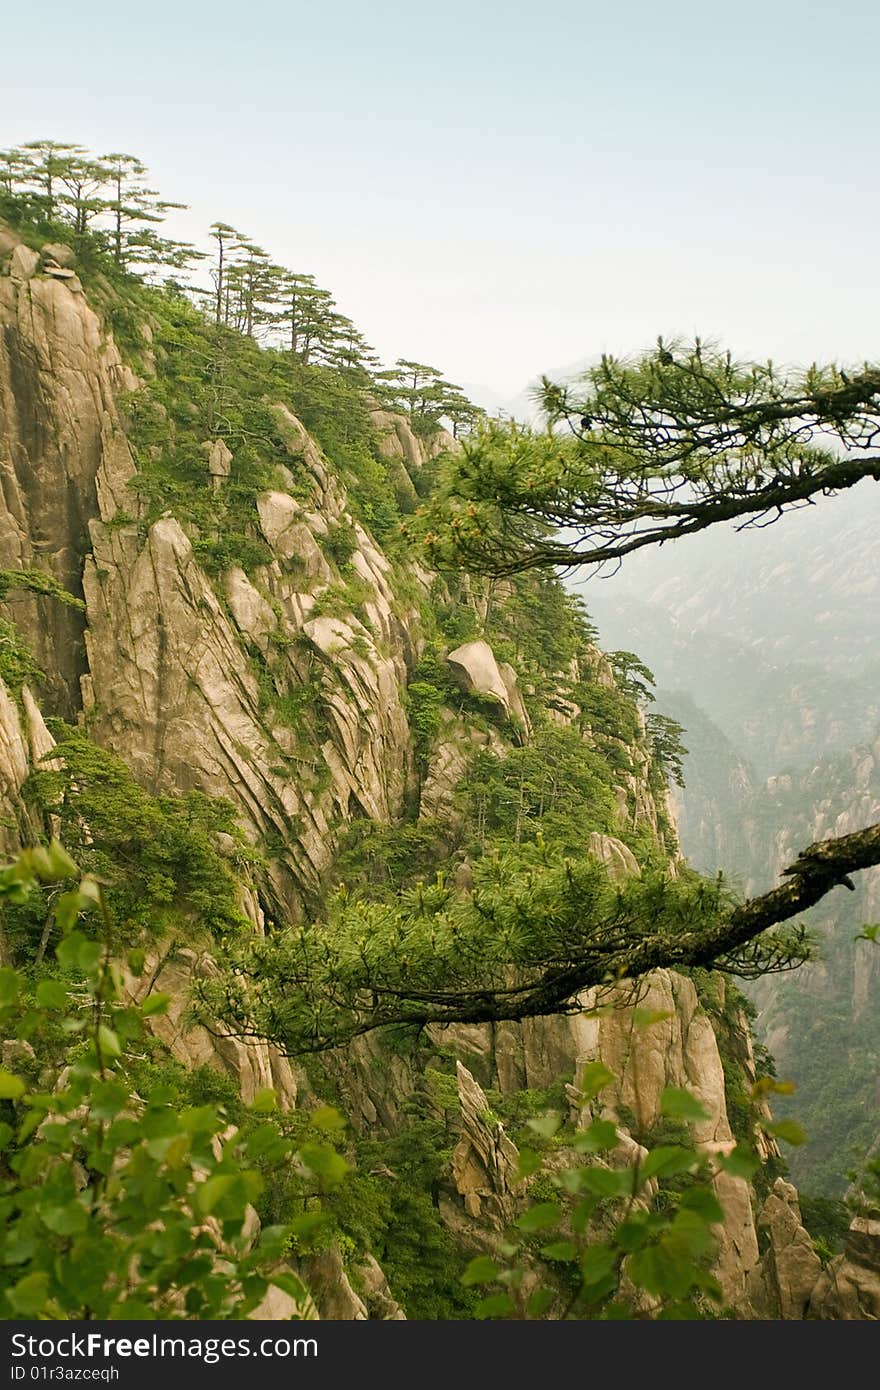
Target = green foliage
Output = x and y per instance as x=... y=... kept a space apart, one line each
x=532 y=912
x=33 y=581
x=339 y=545
x=633 y=676
x=17 y=665
x=212 y=361
x=601 y=1240
x=333 y=409
x=524 y=1112
x=92 y=201
x=342 y=600
x=389 y=1207
x=377 y=861
x=555 y=785
x=421 y=392
x=157 y=854
x=424 y=701
x=666 y=444
x=827 y=1221
x=209 y=382
x=542 y=629
x=117 y=1202
x=612 y=717
x=667 y=749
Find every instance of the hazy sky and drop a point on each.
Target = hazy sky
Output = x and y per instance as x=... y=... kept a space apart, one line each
x=499 y=189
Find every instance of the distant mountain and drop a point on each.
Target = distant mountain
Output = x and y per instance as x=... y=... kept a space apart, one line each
x=806 y=589
x=776 y=714
x=764 y=644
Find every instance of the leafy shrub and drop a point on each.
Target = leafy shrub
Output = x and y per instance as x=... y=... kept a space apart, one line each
x=114 y=1203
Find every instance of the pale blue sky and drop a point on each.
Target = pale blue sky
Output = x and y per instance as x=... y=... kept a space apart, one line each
x=495 y=188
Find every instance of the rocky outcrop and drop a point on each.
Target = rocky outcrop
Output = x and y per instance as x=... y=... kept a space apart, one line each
x=476 y=670
x=790 y=1282
x=618 y=859
x=334 y=1289
x=14 y=768
x=484 y=1160
x=25 y=743
x=331 y=1288
x=478 y=673
x=166 y=678
x=678 y=1049
x=849 y=1288
x=397 y=439
x=377 y=1295
x=278 y=1306
x=171 y=685
x=59 y=379
x=782 y=1284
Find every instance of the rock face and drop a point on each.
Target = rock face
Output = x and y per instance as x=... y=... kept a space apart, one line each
x=23 y=263
x=614 y=854
x=476 y=670
x=333 y=1289
x=59 y=376
x=219 y=462
x=255 y=1065
x=25 y=743
x=15 y=765
x=170 y=686
x=398 y=440
x=58 y=254
x=679 y=1049
x=283 y=689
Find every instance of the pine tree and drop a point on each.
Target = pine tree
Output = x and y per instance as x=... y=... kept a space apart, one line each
x=134 y=210
x=49 y=160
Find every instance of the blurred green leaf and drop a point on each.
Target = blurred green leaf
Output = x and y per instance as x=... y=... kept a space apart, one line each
x=155 y=1003
x=264 y=1102
x=497 y=1305
x=51 y=994
x=739 y=1163
x=679 y=1104
x=546 y=1125
x=564 y=1250
x=787 y=1130
x=539 y=1217
x=598 y=1138
x=28 y=1296
x=11 y=1087
x=481 y=1270
x=646 y=1018
x=593 y=1078
x=666 y=1160
x=597 y=1262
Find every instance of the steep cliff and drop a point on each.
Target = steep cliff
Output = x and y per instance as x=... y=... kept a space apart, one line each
x=246 y=637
